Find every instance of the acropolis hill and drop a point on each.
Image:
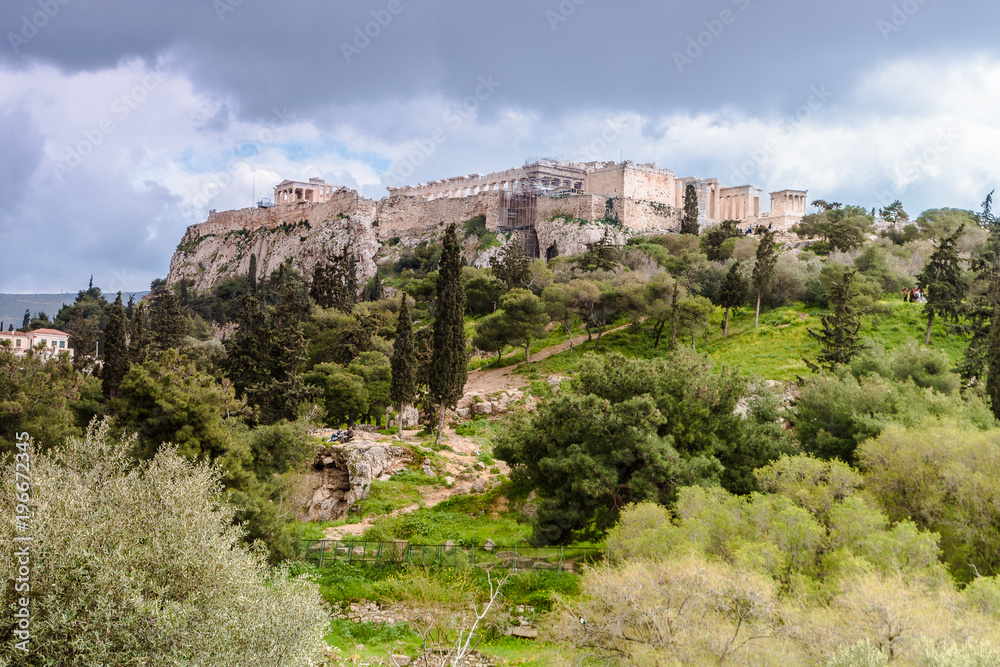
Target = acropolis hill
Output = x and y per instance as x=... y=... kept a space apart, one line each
x=555 y=207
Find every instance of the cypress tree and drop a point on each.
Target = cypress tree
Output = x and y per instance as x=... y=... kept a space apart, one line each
x=168 y=323
x=116 y=358
x=839 y=339
x=130 y=308
x=247 y=350
x=404 y=380
x=689 y=223
x=942 y=279
x=763 y=269
x=983 y=354
x=138 y=347
x=673 y=317
x=26 y=321
x=449 y=361
x=282 y=387
x=252 y=273
x=335 y=283
x=733 y=293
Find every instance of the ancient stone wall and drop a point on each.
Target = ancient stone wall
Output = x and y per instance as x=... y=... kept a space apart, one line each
x=399 y=214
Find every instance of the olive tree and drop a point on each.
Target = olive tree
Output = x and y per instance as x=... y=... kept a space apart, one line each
x=139 y=562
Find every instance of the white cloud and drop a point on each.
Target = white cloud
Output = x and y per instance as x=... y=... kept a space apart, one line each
x=137 y=156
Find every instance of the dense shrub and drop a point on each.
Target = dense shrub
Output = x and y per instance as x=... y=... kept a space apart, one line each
x=140 y=563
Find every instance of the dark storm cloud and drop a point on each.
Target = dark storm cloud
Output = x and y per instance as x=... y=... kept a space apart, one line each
x=645 y=55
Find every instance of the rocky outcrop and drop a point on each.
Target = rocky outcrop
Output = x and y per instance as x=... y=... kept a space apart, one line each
x=305 y=234
x=342 y=475
x=574 y=237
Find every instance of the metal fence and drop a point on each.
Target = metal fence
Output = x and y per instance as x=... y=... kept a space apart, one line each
x=520 y=558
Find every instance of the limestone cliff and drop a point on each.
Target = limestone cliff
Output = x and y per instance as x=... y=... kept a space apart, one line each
x=304 y=233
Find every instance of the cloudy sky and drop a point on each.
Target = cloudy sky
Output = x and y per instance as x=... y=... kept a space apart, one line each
x=124 y=121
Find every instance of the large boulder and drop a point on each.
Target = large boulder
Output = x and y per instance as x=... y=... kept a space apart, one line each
x=342 y=475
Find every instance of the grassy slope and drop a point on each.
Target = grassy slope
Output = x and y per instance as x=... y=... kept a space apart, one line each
x=775 y=349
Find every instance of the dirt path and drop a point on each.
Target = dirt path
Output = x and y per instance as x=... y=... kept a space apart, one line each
x=486 y=382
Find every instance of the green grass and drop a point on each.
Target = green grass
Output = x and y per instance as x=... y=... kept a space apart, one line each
x=386 y=497
x=556 y=334
x=775 y=349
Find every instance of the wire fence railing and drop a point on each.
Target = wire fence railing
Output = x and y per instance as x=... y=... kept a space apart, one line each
x=401 y=552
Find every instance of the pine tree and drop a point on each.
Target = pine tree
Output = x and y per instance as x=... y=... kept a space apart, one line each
x=252 y=273
x=116 y=358
x=942 y=279
x=511 y=267
x=449 y=361
x=138 y=348
x=404 y=381
x=763 y=269
x=168 y=323
x=839 y=339
x=732 y=294
x=603 y=255
x=689 y=223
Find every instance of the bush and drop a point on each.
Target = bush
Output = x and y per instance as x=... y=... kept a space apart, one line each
x=947 y=479
x=834 y=414
x=143 y=565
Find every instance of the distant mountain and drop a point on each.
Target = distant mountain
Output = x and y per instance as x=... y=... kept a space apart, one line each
x=12 y=306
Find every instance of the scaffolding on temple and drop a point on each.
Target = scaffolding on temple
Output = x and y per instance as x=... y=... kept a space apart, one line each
x=518 y=209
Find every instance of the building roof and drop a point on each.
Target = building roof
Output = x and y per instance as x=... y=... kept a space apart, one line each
x=48 y=332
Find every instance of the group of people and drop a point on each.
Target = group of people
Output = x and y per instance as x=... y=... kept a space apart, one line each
x=342 y=435
x=757 y=229
x=915 y=295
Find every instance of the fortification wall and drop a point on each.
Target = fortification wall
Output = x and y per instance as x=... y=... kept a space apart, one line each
x=400 y=214
x=642 y=184
x=649 y=216
x=344 y=203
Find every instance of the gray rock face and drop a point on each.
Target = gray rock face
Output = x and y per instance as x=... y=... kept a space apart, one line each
x=342 y=475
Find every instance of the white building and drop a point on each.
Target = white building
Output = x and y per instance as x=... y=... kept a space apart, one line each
x=43 y=342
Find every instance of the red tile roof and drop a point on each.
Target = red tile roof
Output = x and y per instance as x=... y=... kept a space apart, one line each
x=49 y=332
